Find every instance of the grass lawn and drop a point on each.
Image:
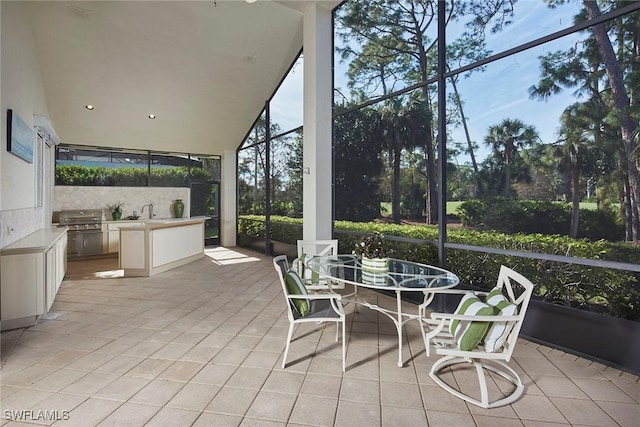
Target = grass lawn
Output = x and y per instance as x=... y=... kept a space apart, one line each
x=385 y=208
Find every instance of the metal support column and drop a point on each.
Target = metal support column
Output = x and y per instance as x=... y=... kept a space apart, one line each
x=442 y=136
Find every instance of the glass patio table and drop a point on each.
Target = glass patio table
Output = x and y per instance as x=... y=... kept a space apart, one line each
x=400 y=276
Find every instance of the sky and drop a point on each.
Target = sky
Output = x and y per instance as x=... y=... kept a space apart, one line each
x=489 y=96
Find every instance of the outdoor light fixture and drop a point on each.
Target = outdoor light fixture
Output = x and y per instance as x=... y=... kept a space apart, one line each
x=89 y=107
x=152 y=116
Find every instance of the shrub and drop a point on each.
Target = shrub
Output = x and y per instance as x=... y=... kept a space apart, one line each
x=614 y=292
x=545 y=217
x=176 y=176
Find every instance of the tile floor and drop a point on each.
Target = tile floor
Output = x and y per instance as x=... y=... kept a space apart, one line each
x=201 y=345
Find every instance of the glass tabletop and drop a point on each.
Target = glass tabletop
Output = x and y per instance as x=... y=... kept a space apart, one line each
x=395 y=273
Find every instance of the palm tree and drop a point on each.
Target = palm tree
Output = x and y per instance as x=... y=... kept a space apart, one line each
x=506 y=139
x=572 y=150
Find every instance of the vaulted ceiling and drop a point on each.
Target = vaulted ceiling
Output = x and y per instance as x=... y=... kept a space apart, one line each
x=204 y=70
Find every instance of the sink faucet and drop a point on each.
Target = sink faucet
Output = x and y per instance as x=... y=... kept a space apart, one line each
x=150 y=205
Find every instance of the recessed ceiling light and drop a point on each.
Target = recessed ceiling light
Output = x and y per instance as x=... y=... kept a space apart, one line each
x=89 y=107
x=152 y=116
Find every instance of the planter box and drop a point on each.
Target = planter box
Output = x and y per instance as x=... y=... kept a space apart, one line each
x=259 y=244
x=254 y=243
x=611 y=340
x=279 y=248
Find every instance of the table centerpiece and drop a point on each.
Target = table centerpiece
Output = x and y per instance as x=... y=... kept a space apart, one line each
x=373 y=259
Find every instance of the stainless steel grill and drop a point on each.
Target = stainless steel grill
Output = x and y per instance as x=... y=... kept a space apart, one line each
x=85 y=231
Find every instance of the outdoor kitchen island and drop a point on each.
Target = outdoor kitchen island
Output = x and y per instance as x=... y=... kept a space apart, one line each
x=161 y=244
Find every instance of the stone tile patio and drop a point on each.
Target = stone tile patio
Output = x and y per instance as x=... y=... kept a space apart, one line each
x=201 y=345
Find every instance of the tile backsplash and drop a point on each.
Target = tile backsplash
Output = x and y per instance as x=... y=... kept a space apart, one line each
x=133 y=198
x=18 y=223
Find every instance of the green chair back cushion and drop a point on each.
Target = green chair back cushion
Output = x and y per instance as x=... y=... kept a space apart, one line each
x=468 y=334
x=499 y=331
x=294 y=286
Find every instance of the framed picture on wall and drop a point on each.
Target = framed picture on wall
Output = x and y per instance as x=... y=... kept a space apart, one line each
x=19 y=137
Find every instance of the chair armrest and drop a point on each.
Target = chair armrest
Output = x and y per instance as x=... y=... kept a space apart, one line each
x=453 y=291
x=422 y=307
x=475 y=318
x=316 y=296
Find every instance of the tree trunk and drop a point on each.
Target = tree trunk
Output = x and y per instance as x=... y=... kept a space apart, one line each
x=467 y=136
x=395 y=189
x=432 y=188
x=575 y=200
x=430 y=168
x=507 y=168
x=626 y=202
x=627 y=126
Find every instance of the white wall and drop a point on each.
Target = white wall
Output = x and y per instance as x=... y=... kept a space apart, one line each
x=163 y=198
x=23 y=92
x=21 y=89
x=228 y=199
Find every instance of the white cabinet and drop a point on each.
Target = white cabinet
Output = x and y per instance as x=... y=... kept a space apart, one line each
x=55 y=269
x=61 y=261
x=31 y=271
x=161 y=245
x=49 y=278
x=113 y=234
x=22 y=285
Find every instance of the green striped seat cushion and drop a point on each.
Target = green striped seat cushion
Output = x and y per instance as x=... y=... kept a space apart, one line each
x=499 y=331
x=294 y=286
x=468 y=334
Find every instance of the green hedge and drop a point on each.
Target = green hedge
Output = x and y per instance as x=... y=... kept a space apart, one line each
x=176 y=176
x=614 y=292
x=283 y=229
x=545 y=217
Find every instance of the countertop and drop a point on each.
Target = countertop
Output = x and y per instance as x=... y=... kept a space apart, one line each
x=154 y=220
x=38 y=241
x=161 y=223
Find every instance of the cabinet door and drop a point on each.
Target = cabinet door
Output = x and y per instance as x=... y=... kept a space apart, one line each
x=113 y=236
x=23 y=287
x=50 y=287
x=61 y=261
x=114 y=241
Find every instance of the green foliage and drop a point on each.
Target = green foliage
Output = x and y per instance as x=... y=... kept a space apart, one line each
x=115 y=207
x=283 y=229
x=527 y=216
x=614 y=292
x=169 y=177
x=372 y=247
x=357 y=166
x=177 y=176
x=204 y=199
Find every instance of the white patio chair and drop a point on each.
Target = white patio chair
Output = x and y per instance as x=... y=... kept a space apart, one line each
x=303 y=307
x=307 y=249
x=491 y=354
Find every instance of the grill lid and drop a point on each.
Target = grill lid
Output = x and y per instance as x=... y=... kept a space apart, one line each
x=81 y=216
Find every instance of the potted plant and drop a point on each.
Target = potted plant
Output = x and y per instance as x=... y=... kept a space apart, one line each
x=374 y=261
x=116 y=210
